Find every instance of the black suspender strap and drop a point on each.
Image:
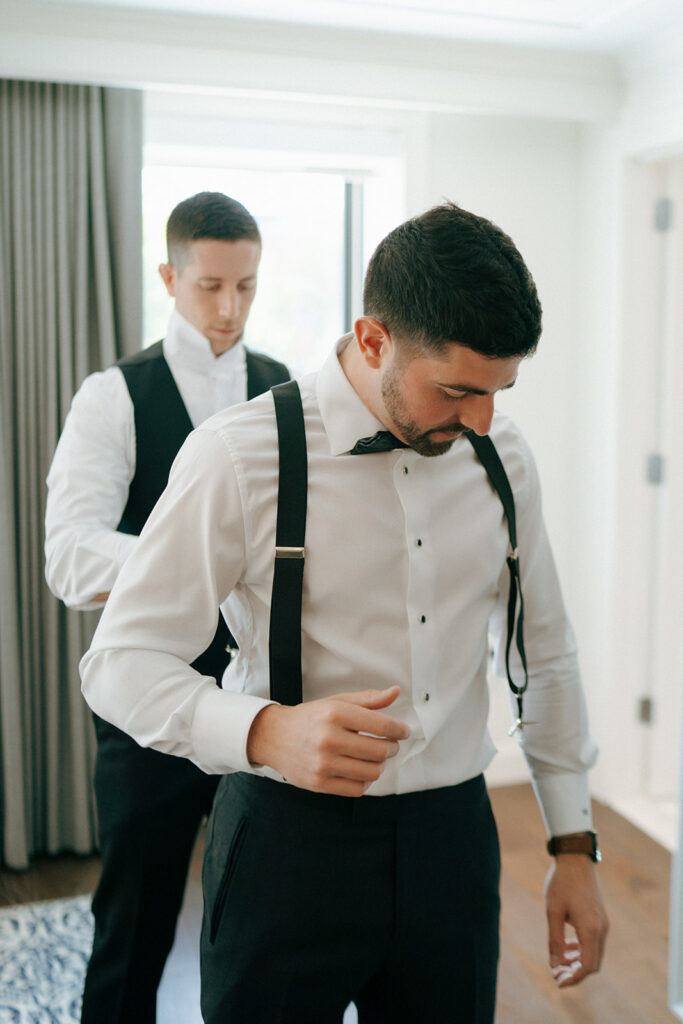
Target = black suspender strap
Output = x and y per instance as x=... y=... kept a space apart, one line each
x=288 y=575
x=485 y=451
x=285 y=611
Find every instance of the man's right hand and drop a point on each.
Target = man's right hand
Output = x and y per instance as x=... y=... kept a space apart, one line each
x=335 y=745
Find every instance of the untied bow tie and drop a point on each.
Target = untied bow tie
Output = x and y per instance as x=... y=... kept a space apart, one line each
x=382 y=441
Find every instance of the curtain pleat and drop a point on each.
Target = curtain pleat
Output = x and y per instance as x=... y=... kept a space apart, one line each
x=70 y=303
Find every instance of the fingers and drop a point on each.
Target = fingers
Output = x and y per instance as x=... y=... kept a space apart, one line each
x=341 y=752
x=338 y=750
x=334 y=745
x=572 y=960
x=338 y=786
x=340 y=775
x=371 y=748
x=351 y=767
x=566 y=955
x=573 y=898
x=359 y=717
x=575 y=965
x=556 y=942
x=591 y=933
x=371 y=698
x=568 y=969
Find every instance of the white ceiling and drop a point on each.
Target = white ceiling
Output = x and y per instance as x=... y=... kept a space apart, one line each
x=607 y=26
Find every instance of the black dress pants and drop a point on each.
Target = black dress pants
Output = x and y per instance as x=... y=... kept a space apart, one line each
x=150 y=806
x=314 y=901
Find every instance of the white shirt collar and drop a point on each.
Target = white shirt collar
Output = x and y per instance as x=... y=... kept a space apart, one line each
x=188 y=347
x=345 y=418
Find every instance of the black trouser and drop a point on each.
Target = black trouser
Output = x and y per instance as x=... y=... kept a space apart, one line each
x=149 y=807
x=314 y=901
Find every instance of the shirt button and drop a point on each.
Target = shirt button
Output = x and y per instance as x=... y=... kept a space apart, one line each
x=405 y=471
x=419 y=542
x=425 y=697
x=423 y=618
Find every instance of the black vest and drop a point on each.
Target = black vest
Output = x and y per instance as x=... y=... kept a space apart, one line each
x=161 y=425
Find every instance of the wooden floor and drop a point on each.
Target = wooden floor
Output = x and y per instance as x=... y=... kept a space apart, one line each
x=631 y=988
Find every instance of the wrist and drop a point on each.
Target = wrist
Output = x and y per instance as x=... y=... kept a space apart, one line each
x=259 y=742
x=575 y=843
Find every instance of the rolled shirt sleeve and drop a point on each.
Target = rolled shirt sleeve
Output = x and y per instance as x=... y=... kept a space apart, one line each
x=88 y=484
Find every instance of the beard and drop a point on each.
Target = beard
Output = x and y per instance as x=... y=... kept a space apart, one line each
x=419 y=440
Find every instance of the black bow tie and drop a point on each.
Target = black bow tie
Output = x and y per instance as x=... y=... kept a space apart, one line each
x=382 y=441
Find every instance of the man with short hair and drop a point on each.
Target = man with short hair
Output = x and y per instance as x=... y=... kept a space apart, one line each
x=351 y=853
x=120 y=438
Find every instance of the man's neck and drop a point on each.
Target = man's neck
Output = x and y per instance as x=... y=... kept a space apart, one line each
x=360 y=378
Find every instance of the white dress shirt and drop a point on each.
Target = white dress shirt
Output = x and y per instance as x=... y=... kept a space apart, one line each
x=94 y=462
x=405 y=576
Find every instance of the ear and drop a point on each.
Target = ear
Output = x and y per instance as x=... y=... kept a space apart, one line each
x=374 y=341
x=168 y=275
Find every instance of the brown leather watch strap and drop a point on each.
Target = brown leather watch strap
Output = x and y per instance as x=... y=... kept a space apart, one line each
x=577 y=842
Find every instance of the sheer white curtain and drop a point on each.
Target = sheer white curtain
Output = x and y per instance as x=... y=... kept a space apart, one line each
x=70 y=303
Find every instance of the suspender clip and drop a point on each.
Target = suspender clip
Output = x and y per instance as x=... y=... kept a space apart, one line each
x=283 y=552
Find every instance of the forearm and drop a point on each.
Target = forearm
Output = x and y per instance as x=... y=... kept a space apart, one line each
x=82 y=563
x=558 y=747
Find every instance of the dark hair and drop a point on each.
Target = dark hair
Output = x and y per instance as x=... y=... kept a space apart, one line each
x=208 y=215
x=451 y=276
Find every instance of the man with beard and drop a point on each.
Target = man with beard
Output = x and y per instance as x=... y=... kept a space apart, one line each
x=351 y=853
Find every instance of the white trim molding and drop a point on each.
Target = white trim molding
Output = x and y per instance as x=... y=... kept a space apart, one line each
x=125 y=47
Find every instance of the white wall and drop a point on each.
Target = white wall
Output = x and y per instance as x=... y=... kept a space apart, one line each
x=595 y=435
x=522 y=174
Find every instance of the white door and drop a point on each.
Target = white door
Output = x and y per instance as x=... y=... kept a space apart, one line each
x=650 y=495
x=666 y=605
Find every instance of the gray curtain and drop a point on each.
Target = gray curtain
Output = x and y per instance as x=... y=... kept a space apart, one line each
x=70 y=303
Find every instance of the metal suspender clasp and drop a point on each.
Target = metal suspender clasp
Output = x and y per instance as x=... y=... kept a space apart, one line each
x=283 y=552
x=514 y=554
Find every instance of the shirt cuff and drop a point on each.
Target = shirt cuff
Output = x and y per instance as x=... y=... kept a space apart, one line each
x=565 y=803
x=220 y=730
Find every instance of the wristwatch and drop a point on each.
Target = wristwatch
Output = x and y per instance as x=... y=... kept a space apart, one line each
x=577 y=842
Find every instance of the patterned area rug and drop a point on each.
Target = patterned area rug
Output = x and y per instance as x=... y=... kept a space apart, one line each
x=44 y=949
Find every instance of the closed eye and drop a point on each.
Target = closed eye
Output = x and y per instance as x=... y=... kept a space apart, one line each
x=456 y=394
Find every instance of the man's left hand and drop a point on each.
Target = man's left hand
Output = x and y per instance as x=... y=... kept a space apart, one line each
x=572 y=896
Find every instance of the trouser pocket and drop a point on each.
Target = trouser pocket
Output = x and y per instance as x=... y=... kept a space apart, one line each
x=227 y=876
